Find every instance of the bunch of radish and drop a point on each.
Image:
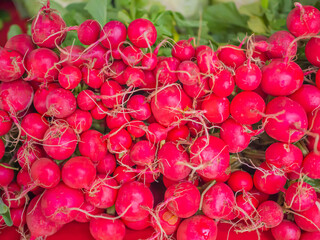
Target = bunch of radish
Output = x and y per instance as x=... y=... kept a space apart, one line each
x=109 y=140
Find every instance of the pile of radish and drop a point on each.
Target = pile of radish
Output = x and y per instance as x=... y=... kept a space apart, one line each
x=112 y=141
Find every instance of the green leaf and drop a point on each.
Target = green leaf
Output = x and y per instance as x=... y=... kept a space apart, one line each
x=5 y=16
x=256 y=25
x=58 y=7
x=14 y=30
x=98 y=10
x=253 y=9
x=5 y=213
x=124 y=17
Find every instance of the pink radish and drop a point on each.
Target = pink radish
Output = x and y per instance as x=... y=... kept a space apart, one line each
x=118 y=140
x=80 y=121
x=240 y=181
x=91 y=145
x=165 y=71
x=71 y=55
x=216 y=109
x=271 y=214
x=139 y=108
x=183 y=50
x=22 y=43
x=143 y=153
x=222 y=83
x=142 y=33
x=34 y=126
x=88 y=32
x=232 y=56
x=107 y=165
x=188 y=73
x=309 y=165
x=40 y=96
x=114 y=33
x=11 y=65
x=86 y=100
x=308 y=97
x=69 y=77
x=248 y=77
x=28 y=153
x=5 y=122
x=309 y=220
x=118 y=120
x=281 y=45
x=88 y=208
x=45 y=173
x=286 y=230
x=92 y=77
x=312 y=51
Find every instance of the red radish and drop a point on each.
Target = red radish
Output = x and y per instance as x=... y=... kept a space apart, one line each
x=312 y=50
x=118 y=120
x=12 y=65
x=2 y=149
x=310 y=236
x=271 y=214
x=25 y=182
x=268 y=180
x=303 y=20
x=111 y=92
x=86 y=100
x=15 y=96
x=78 y=172
x=107 y=164
x=124 y=175
x=133 y=200
x=183 y=199
x=232 y=56
x=92 y=77
x=279 y=44
x=247 y=205
x=91 y=145
x=209 y=156
x=280 y=78
x=149 y=61
x=222 y=83
x=318 y=79
x=131 y=55
x=287 y=115
x=55 y=203
x=218 y=201
x=188 y=73
x=60 y=141
x=80 y=121
x=240 y=181
x=95 y=57
x=40 y=96
x=285 y=156
x=156 y=133
x=107 y=228
x=309 y=220
x=165 y=71
x=87 y=207
x=71 y=55
x=286 y=230
x=199 y=89
x=5 y=123
x=202 y=47
x=47 y=28
x=100 y=111
x=12 y=200
x=142 y=33
x=136 y=128
x=167 y=220
x=137 y=225
x=28 y=153
x=124 y=159
x=199 y=227
x=308 y=97
x=134 y=76
x=42 y=65
x=102 y=193
x=143 y=153
x=22 y=43
x=38 y=224
x=118 y=140
x=7 y=175
x=18 y=216
x=69 y=77
x=88 y=32
x=208 y=61
x=34 y=126
x=216 y=109
x=115 y=71
x=171 y=158
x=138 y=107
x=114 y=33
x=309 y=165
x=247 y=107
x=235 y=135
x=260 y=196
x=167 y=105
x=178 y=133
x=45 y=173
x=248 y=77
x=146 y=176
x=183 y=50
x=150 y=81
x=73 y=230
x=300 y=196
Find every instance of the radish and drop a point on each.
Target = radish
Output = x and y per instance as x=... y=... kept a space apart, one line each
x=111 y=92
x=188 y=73
x=113 y=33
x=165 y=71
x=183 y=199
x=216 y=109
x=56 y=203
x=199 y=89
x=103 y=191
x=69 y=77
x=143 y=153
x=118 y=140
x=100 y=111
x=76 y=230
x=107 y=165
x=308 y=97
x=164 y=220
x=222 y=83
x=209 y=156
x=91 y=145
x=281 y=45
x=248 y=77
x=25 y=182
x=124 y=158
x=7 y=175
x=45 y=173
x=78 y=172
x=38 y=224
x=137 y=225
x=285 y=156
x=134 y=201
x=124 y=175
x=60 y=141
x=34 y=126
x=232 y=56
x=287 y=115
x=303 y=20
x=240 y=181
x=136 y=128
x=12 y=199
x=149 y=61
x=88 y=208
x=318 y=79
x=80 y=121
x=115 y=71
x=101 y=228
x=199 y=227
x=218 y=201
x=309 y=165
x=135 y=77
x=200 y=48
x=88 y=32
x=286 y=230
x=131 y=55
x=2 y=149
x=280 y=78
x=260 y=196
x=183 y=50
x=86 y=100
x=72 y=55
x=118 y=120
x=312 y=51
x=271 y=214
x=47 y=28
x=246 y=205
x=300 y=196
x=156 y=133
x=208 y=61
x=142 y=33
x=310 y=235
x=18 y=216
x=168 y=103
x=22 y=43
x=92 y=77
x=40 y=96
x=5 y=123
x=42 y=65
x=95 y=57
x=11 y=65
x=268 y=180
x=139 y=108
x=309 y=220
x=28 y=153
x=178 y=133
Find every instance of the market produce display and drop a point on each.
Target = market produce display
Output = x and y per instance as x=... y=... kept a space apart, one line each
x=129 y=136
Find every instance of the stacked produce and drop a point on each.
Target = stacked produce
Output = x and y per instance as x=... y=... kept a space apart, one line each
x=114 y=141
